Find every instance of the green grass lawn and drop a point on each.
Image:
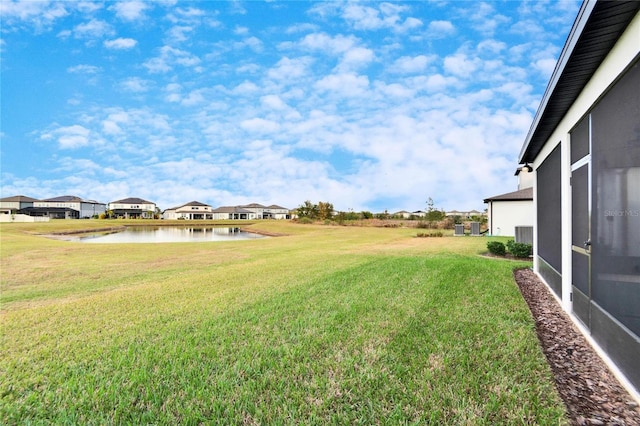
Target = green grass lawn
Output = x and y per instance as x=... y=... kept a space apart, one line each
x=338 y=325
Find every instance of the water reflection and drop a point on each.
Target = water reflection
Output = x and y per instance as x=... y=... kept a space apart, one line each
x=168 y=234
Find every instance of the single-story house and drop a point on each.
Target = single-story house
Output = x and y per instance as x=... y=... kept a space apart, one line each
x=584 y=148
x=193 y=210
x=11 y=205
x=507 y=211
x=65 y=207
x=133 y=208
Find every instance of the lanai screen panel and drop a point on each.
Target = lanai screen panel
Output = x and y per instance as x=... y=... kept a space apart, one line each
x=548 y=199
x=549 y=225
x=615 y=279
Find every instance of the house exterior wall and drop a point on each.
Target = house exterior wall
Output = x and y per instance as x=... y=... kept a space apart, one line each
x=9 y=206
x=145 y=210
x=143 y=206
x=615 y=340
x=504 y=216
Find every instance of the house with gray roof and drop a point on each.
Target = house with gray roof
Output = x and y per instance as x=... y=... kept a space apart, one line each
x=65 y=207
x=233 y=213
x=133 y=208
x=584 y=150
x=193 y=210
x=11 y=205
x=508 y=211
x=273 y=211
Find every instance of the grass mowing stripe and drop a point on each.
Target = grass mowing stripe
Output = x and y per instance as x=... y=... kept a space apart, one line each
x=385 y=339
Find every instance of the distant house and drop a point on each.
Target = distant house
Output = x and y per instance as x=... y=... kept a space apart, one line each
x=402 y=214
x=267 y=212
x=251 y=212
x=65 y=207
x=506 y=211
x=232 y=213
x=466 y=214
x=194 y=210
x=11 y=205
x=584 y=149
x=133 y=208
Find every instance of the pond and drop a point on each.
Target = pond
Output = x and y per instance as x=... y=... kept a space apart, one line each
x=166 y=234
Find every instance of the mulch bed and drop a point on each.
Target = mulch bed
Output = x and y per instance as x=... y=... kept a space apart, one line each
x=591 y=393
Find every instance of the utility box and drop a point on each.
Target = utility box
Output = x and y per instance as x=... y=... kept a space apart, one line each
x=524 y=234
x=459 y=230
x=475 y=229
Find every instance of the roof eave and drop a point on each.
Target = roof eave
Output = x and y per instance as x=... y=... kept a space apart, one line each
x=565 y=86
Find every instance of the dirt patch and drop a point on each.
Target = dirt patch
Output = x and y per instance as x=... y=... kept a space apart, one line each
x=590 y=391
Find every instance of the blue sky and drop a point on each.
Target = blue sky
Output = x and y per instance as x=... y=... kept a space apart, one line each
x=367 y=105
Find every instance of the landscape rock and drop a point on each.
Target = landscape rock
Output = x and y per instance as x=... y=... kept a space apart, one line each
x=590 y=391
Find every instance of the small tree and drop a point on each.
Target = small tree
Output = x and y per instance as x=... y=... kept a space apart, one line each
x=308 y=210
x=325 y=211
x=433 y=214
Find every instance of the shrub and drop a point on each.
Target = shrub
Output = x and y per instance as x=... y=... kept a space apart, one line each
x=519 y=249
x=497 y=248
x=305 y=220
x=430 y=234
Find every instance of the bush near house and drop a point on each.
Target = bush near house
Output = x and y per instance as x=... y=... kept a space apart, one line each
x=497 y=248
x=519 y=249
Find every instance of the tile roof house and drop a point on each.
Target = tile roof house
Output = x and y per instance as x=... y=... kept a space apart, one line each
x=273 y=211
x=133 y=208
x=9 y=205
x=233 y=213
x=66 y=207
x=193 y=210
x=584 y=150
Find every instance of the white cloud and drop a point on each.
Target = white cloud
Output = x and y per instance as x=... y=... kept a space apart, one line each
x=545 y=66
x=95 y=28
x=347 y=85
x=136 y=85
x=386 y=16
x=260 y=125
x=328 y=44
x=485 y=19
x=491 y=46
x=120 y=43
x=289 y=69
x=355 y=58
x=69 y=137
x=461 y=65
x=410 y=64
x=41 y=15
x=130 y=10
x=84 y=69
x=177 y=34
x=169 y=57
x=440 y=29
x=194 y=98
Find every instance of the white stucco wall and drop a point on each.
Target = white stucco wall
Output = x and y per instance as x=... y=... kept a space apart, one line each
x=504 y=216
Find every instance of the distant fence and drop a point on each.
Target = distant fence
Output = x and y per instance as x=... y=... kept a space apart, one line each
x=22 y=218
x=524 y=234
